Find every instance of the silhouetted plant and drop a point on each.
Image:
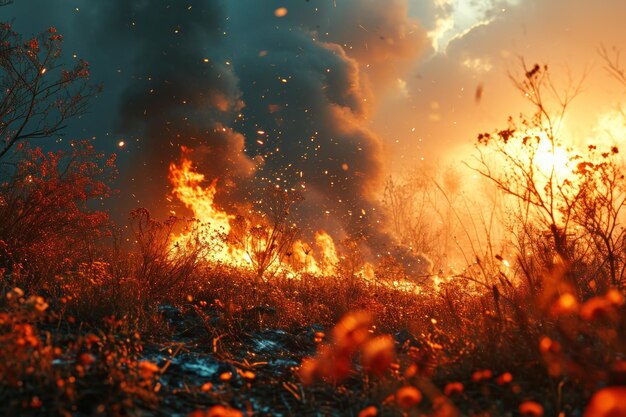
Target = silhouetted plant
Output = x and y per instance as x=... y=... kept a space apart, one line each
x=38 y=95
x=268 y=235
x=46 y=223
x=569 y=205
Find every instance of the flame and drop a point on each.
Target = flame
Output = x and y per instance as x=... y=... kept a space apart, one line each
x=188 y=188
x=198 y=193
x=328 y=253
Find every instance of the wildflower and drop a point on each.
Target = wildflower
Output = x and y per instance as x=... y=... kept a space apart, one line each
x=308 y=370
x=86 y=359
x=27 y=335
x=4 y=318
x=217 y=411
x=407 y=397
x=378 y=353
x=531 y=409
x=333 y=365
x=482 y=375
x=249 y=375
x=147 y=369
x=411 y=371
x=370 y=411
x=35 y=402
x=608 y=402
x=32 y=45
x=15 y=293
x=453 y=388
x=37 y=303
x=351 y=331
x=565 y=305
x=547 y=345
x=615 y=297
x=504 y=379
x=91 y=339
x=442 y=407
x=596 y=308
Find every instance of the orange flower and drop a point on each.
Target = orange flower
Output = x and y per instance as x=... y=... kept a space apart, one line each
x=37 y=303
x=608 y=402
x=547 y=345
x=86 y=359
x=531 y=409
x=216 y=411
x=147 y=369
x=504 y=379
x=615 y=297
x=15 y=293
x=482 y=375
x=407 y=397
x=378 y=354
x=411 y=371
x=453 y=388
x=370 y=411
x=35 y=402
x=565 y=305
x=308 y=370
x=442 y=407
x=91 y=339
x=596 y=308
x=352 y=330
x=333 y=365
x=249 y=375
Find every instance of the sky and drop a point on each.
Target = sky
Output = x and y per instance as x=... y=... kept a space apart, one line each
x=331 y=96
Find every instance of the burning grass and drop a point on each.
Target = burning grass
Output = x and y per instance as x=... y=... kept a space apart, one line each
x=153 y=322
x=227 y=344
x=233 y=314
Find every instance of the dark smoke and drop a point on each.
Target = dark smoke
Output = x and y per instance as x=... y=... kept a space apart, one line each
x=296 y=88
x=183 y=93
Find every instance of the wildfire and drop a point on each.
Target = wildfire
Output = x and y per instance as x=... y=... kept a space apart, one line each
x=198 y=193
x=188 y=187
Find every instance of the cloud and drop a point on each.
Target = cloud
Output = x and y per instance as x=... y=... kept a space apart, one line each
x=558 y=33
x=182 y=93
x=307 y=83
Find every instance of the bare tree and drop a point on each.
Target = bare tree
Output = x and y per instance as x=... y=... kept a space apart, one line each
x=574 y=214
x=613 y=64
x=268 y=236
x=38 y=95
x=546 y=197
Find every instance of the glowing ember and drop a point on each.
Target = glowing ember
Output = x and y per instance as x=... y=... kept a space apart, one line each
x=280 y=12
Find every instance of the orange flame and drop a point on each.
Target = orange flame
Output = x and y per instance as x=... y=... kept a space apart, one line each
x=190 y=187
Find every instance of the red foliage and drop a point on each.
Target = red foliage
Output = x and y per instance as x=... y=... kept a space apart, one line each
x=40 y=95
x=45 y=218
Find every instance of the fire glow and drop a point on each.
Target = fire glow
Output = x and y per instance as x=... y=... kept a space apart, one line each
x=198 y=193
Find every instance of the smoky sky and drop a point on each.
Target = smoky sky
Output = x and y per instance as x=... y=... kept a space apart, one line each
x=333 y=96
x=259 y=99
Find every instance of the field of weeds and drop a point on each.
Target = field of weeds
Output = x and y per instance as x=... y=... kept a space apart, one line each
x=439 y=299
x=316 y=346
